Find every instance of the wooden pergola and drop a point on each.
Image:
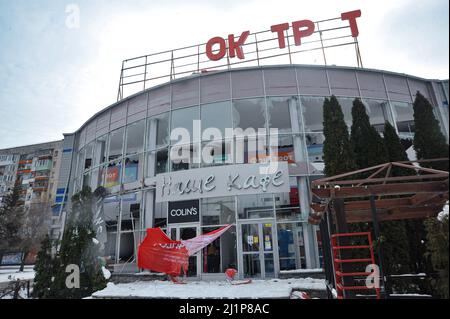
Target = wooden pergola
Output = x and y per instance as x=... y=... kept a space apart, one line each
x=421 y=194
x=380 y=196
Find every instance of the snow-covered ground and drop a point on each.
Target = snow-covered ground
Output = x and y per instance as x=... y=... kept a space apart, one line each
x=275 y=288
x=26 y=275
x=22 y=294
x=301 y=271
x=12 y=269
x=410 y=295
x=12 y=274
x=422 y=274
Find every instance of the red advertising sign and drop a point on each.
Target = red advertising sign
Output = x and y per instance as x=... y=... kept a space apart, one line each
x=300 y=29
x=279 y=157
x=112 y=176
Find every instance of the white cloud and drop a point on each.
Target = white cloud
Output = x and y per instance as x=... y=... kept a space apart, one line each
x=54 y=78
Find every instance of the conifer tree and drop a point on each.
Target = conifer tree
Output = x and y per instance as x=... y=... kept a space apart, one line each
x=367 y=144
x=11 y=220
x=429 y=142
x=437 y=246
x=78 y=248
x=395 y=150
x=371 y=149
x=414 y=227
x=337 y=150
x=44 y=270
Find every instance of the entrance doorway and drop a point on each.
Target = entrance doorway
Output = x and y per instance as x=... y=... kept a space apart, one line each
x=187 y=232
x=258 y=253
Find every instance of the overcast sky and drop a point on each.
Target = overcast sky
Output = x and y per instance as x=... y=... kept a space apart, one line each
x=54 y=77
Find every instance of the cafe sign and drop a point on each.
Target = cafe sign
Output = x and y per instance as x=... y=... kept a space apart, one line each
x=218 y=181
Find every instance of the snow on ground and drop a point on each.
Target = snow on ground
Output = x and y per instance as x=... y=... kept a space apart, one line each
x=22 y=294
x=410 y=295
x=275 y=288
x=13 y=275
x=422 y=274
x=13 y=269
x=301 y=271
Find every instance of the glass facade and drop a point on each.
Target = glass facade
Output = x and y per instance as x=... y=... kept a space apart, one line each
x=270 y=231
x=404 y=118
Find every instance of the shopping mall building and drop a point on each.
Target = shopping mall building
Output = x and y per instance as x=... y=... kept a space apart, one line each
x=127 y=149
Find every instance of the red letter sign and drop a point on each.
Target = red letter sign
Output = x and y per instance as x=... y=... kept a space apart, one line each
x=299 y=34
x=279 y=29
x=235 y=47
x=300 y=29
x=351 y=17
x=222 y=48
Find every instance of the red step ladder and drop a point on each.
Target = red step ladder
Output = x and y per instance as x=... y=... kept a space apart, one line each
x=338 y=262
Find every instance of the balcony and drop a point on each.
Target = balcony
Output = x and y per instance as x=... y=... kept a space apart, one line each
x=43 y=167
x=39 y=188
x=6 y=163
x=41 y=178
x=23 y=171
x=45 y=157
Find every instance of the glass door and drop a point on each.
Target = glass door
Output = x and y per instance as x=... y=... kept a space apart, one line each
x=250 y=250
x=257 y=255
x=267 y=230
x=184 y=233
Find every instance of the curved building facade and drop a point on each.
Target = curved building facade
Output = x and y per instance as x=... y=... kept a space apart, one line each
x=127 y=148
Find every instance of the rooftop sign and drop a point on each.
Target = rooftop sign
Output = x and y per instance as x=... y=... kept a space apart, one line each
x=300 y=29
x=298 y=42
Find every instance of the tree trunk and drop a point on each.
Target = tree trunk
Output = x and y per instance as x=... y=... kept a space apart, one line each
x=16 y=289
x=24 y=257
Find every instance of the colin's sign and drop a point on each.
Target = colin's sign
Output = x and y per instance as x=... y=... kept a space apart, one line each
x=216 y=47
x=184 y=212
x=218 y=181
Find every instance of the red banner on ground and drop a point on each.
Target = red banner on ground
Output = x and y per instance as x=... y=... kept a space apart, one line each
x=161 y=254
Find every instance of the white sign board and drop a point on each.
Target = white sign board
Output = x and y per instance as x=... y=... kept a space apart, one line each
x=218 y=181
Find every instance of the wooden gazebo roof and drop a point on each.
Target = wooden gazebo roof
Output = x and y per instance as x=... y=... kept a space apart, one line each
x=419 y=195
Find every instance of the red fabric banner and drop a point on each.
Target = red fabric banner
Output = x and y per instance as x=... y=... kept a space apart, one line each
x=157 y=252
x=196 y=244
